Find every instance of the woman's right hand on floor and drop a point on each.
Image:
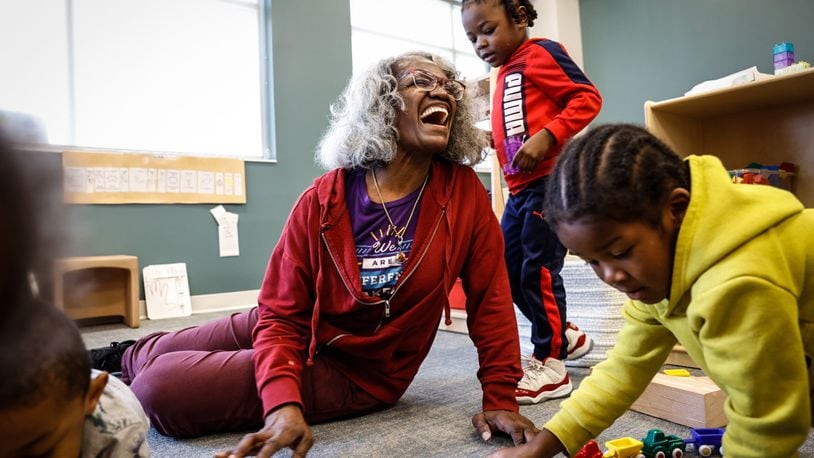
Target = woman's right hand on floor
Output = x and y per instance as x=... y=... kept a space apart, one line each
x=285 y=427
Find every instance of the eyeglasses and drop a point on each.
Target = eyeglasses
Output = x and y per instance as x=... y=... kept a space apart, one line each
x=426 y=81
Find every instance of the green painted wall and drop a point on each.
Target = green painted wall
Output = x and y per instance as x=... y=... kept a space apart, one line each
x=634 y=50
x=638 y=50
x=312 y=63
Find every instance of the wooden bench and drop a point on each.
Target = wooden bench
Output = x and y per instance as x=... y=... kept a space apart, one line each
x=98 y=286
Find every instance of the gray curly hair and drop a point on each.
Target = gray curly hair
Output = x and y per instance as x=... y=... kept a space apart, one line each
x=362 y=130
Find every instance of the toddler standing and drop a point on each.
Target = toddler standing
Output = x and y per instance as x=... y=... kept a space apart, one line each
x=541 y=100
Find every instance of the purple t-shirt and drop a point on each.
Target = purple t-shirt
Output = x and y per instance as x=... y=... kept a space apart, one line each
x=377 y=247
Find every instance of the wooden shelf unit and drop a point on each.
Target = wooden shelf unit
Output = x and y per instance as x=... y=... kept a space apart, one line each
x=768 y=121
x=98 y=286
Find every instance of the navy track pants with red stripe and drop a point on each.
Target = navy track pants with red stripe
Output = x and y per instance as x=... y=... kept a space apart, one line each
x=534 y=259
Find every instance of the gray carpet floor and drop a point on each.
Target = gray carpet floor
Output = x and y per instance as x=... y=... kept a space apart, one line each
x=431 y=420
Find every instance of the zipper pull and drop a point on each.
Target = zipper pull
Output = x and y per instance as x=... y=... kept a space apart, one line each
x=387 y=309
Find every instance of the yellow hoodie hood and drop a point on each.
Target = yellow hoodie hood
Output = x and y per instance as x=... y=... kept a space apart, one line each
x=702 y=242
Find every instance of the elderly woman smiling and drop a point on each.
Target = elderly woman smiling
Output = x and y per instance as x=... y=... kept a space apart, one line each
x=358 y=281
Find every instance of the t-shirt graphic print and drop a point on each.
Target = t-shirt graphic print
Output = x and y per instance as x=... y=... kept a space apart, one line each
x=378 y=253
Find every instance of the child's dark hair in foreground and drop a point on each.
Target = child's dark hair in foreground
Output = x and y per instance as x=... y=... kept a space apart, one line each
x=724 y=269
x=49 y=355
x=51 y=403
x=46 y=390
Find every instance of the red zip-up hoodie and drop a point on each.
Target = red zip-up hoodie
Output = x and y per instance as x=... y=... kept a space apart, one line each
x=311 y=303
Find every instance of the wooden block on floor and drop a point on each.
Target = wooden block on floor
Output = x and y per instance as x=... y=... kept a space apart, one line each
x=690 y=401
x=679 y=357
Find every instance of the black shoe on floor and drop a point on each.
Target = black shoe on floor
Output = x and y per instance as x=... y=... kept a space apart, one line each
x=109 y=359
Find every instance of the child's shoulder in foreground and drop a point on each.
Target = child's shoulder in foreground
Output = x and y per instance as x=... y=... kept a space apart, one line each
x=118 y=425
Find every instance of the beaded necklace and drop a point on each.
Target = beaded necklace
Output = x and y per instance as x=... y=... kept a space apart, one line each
x=400 y=257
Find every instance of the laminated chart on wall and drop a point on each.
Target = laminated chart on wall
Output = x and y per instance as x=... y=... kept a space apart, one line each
x=123 y=178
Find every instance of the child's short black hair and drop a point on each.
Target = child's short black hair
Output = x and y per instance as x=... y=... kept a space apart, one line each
x=41 y=353
x=616 y=171
x=511 y=8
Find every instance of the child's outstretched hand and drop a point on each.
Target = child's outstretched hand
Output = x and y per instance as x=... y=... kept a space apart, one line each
x=533 y=151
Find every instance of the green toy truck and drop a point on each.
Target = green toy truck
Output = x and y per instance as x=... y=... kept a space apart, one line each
x=660 y=445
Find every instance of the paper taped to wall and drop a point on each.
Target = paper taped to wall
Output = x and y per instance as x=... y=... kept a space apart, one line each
x=228 y=241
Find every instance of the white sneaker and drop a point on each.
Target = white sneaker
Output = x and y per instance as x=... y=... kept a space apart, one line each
x=579 y=344
x=543 y=380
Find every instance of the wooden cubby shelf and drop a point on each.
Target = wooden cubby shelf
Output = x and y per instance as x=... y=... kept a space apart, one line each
x=768 y=121
x=98 y=286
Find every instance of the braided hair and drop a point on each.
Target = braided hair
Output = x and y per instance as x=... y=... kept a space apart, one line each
x=616 y=171
x=511 y=7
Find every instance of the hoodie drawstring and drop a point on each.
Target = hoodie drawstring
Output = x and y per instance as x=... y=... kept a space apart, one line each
x=448 y=257
x=312 y=346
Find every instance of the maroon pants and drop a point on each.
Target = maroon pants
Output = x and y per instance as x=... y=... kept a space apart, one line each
x=200 y=380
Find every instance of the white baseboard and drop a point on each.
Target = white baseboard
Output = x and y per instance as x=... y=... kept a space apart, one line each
x=240 y=300
x=458 y=318
x=217 y=302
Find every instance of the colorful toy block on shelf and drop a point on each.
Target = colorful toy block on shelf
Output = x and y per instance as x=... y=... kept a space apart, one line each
x=705 y=441
x=783 y=55
x=657 y=444
x=779 y=176
x=589 y=450
x=784 y=46
x=625 y=447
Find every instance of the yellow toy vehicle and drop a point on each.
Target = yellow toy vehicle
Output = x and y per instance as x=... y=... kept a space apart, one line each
x=626 y=447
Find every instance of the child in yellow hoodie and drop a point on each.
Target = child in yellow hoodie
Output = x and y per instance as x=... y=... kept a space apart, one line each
x=726 y=270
